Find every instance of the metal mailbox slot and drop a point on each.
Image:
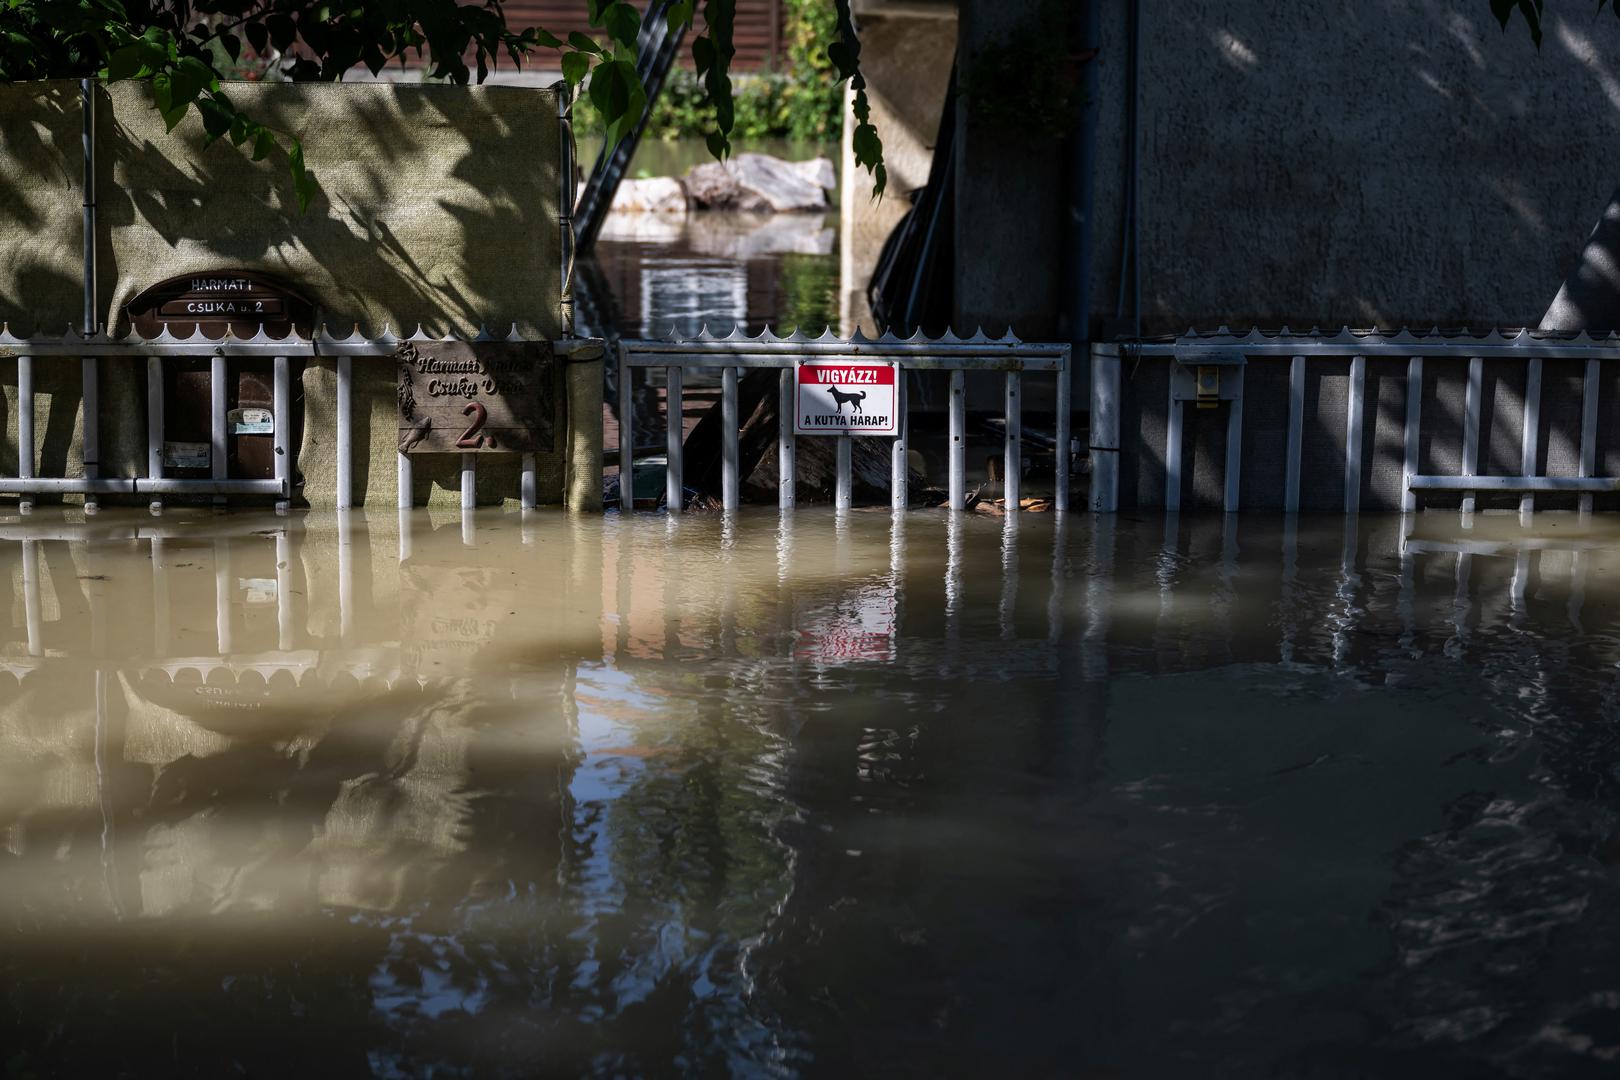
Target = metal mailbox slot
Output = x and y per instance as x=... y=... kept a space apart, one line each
x=214 y=302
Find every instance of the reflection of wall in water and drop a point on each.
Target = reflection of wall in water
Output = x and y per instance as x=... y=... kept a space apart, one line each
x=270 y=779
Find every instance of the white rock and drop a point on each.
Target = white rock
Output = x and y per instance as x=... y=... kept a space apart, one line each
x=760 y=183
x=656 y=195
x=818 y=171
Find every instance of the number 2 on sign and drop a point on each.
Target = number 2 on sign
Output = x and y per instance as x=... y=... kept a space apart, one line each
x=470 y=439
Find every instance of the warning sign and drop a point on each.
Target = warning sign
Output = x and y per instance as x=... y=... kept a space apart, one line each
x=837 y=398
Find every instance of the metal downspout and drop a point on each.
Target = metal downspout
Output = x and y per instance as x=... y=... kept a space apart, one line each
x=89 y=324
x=1082 y=223
x=1130 y=249
x=1136 y=168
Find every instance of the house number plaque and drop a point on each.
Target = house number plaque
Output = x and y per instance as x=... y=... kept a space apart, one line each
x=459 y=397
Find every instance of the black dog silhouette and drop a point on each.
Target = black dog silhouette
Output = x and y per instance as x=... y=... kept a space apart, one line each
x=840 y=396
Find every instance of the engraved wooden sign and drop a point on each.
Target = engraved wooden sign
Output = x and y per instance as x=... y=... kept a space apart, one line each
x=239 y=299
x=459 y=397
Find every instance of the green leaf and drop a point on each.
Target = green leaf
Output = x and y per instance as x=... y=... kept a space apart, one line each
x=623 y=24
x=575 y=66
x=702 y=54
x=282 y=31
x=1530 y=9
x=679 y=14
x=257 y=36
x=216 y=118
x=719 y=145
x=611 y=89
x=304 y=186
x=197 y=73
x=232 y=46
x=584 y=43
x=163 y=94
x=843 y=59
x=263 y=144
x=124 y=63
x=545 y=39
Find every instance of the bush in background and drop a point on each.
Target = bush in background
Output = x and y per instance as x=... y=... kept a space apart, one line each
x=802 y=103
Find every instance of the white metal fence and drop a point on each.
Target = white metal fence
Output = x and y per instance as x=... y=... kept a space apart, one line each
x=949 y=355
x=281 y=351
x=1230 y=356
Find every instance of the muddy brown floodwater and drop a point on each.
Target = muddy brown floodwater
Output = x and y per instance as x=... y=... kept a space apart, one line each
x=818 y=795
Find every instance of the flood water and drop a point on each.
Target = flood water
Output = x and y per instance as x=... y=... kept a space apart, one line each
x=822 y=795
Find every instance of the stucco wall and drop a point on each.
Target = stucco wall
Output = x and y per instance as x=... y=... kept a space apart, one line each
x=1370 y=162
x=437 y=206
x=905 y=59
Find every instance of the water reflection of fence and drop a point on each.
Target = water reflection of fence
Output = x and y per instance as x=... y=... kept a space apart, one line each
x=1341 y=424
x=949 y=354
x=292 y=651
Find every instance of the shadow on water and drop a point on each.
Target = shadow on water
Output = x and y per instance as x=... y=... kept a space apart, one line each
x=808 y=794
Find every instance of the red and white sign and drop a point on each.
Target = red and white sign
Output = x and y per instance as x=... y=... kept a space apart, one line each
x=838 y=398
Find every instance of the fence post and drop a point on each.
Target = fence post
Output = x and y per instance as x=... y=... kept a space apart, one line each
x=1234 y=444
x=282 y=395
x=345 y=432
x=1012 y=456
x=958 y=447
x=1296 y=433
x=1352 y=434
x=627 y=434
x=844 y=496
x=219 y=465
x=154 y=425
x=1060 y=501
x=899 y=467
x=729 y=452
x=1589 y=426
x=1414 y=412
x=25 y=427
x=1172 y=451
x=674 y=492
x=90 y=409
x=1532 y=429
x=1104 y=451
x=1470 y=448
x=787 y=466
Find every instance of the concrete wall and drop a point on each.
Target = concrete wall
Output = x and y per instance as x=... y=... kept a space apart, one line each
x=906 y=52
x=1010 y=191
x=437 y=206
x=1370 y=162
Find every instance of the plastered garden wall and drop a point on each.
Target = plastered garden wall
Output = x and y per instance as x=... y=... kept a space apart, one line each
x=437 y=206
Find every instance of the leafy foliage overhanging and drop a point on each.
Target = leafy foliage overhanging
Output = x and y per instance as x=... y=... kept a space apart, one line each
x=188 y=51
x=1533 y=12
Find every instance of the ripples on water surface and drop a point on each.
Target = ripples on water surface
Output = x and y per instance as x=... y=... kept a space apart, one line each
x=646 y=796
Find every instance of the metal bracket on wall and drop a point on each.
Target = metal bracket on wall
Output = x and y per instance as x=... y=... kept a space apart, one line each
x=1185 y=377
x=1186 y=384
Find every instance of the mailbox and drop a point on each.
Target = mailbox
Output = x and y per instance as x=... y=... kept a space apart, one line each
x=213 y=303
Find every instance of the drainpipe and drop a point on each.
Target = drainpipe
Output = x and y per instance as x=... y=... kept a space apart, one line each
x=87 y=100
x=89 y=324
x=1130 y=241
x=1136 y=167
x=1082 y=230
